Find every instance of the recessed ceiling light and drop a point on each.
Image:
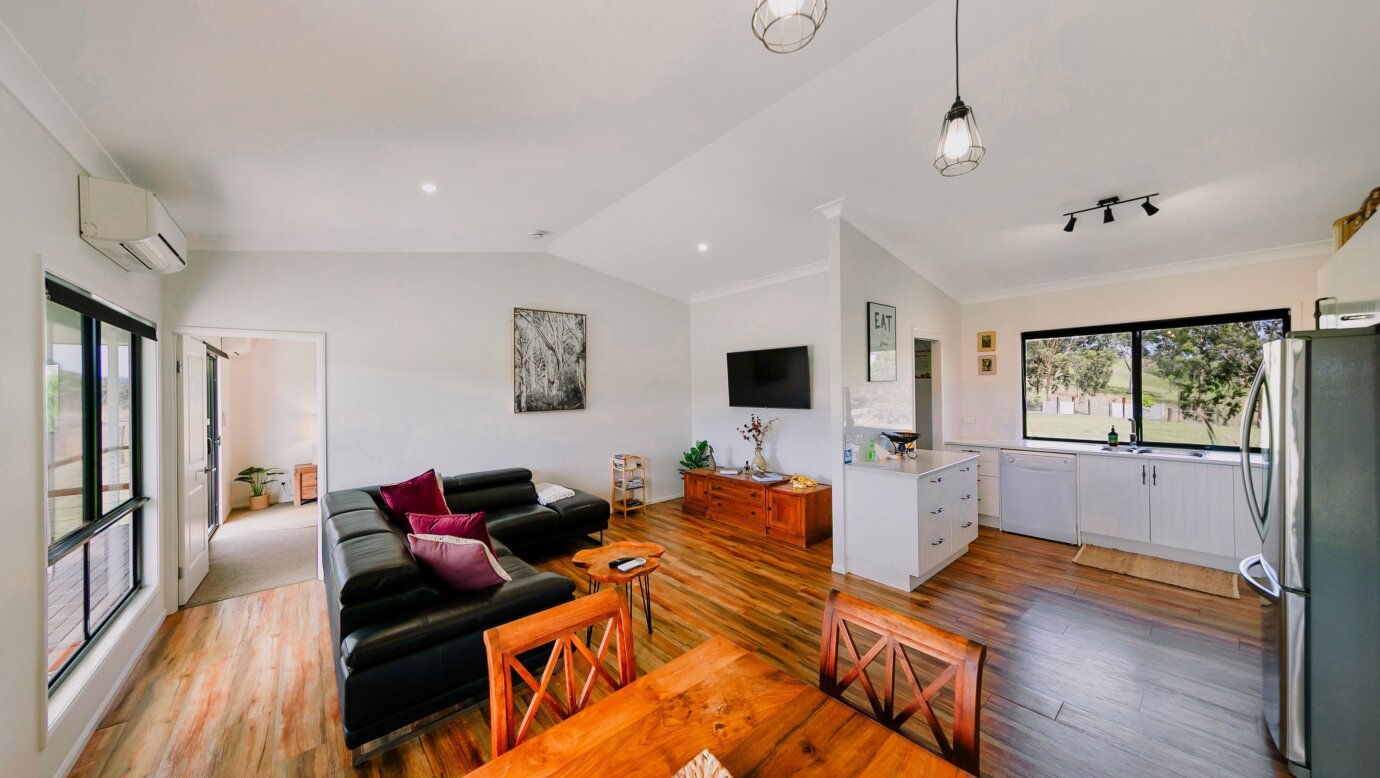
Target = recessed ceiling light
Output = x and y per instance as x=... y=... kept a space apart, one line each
x=703 y=247
x=429 y=188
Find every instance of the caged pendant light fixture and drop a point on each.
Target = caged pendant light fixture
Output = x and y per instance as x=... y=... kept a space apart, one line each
x=784 y=26
x=960 y=146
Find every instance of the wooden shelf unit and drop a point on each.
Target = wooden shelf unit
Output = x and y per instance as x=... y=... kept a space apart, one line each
x=626 y=469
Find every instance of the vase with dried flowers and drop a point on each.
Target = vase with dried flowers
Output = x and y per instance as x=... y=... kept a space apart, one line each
x=755 y=432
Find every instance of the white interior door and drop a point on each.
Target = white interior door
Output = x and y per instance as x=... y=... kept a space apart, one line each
x=195 y=547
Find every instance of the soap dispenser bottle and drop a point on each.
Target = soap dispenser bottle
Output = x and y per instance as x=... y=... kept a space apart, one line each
x=1112 y=437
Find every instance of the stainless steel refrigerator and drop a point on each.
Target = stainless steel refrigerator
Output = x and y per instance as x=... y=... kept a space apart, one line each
x=1314 y=502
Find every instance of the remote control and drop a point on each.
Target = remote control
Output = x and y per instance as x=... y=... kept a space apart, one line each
x=620 y=560
x=632 y=564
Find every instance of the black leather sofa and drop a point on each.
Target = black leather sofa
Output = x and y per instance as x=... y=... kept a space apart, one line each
x=405 y=644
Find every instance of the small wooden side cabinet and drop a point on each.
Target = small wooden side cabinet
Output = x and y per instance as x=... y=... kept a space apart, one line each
x=303 y=484
x=800 y=516
x=775 y=509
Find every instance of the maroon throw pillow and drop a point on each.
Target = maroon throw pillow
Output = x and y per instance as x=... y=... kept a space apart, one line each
x=465 y=564
x=456 y=525
x=415 y=495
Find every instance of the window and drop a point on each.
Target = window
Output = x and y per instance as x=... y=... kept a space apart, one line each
x=92 y=427
x=1180 y=382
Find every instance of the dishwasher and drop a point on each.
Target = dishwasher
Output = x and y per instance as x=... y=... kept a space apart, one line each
x=1039 y=495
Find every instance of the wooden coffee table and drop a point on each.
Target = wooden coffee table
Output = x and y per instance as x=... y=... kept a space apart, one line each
x=596 y=564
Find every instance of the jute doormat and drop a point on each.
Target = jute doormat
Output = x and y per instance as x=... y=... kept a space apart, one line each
x=1200 y=579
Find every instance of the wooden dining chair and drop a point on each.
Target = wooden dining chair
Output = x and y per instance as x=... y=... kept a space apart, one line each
x=564 y=629
x=963 y=660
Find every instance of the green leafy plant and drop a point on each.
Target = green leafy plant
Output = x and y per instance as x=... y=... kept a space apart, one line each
x=696 y=457
x=258 y=479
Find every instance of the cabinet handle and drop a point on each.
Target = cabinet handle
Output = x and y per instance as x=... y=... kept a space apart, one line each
x=939 y=542
x=1142 y=475
x=967 y=524
x=937 y=511
x=966 y=469
x=966 y=497
x=937 y=480
x=1154 y=476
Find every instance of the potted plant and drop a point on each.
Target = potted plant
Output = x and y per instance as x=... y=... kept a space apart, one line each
x=755 y=432
x=258 y=479
x=700 y=455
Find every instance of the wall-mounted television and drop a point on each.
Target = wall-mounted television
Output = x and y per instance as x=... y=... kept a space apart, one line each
x=771 y=378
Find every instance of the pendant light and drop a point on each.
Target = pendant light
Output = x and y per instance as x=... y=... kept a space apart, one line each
x=960 y=146
x=784 y=26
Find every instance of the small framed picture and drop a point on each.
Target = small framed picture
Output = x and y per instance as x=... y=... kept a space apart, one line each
x=881 y=342
x=987 y=365
x=987 y=341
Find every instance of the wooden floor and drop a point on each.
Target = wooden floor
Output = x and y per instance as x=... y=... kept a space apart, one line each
x=1089 y=673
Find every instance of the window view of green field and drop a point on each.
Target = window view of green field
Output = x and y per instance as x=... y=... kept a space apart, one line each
x=1192 y=385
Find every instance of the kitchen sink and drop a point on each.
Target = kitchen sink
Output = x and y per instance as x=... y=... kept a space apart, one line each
x=1173 y=452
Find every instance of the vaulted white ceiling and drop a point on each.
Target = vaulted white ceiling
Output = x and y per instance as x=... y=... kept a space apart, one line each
x=634 y=131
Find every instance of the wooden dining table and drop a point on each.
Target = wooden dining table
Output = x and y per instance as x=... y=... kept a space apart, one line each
x=754 y=718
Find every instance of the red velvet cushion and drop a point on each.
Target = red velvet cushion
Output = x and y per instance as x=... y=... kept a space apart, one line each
x=458 y=525
x=465 y=564
x=415 y=495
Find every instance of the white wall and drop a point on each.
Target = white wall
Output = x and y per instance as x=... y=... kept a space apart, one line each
x=862 y=272
x=271 y=410
x=871 y=274
x=38 y=232
x=789 y=313
x=993 y=403
x=419 y=362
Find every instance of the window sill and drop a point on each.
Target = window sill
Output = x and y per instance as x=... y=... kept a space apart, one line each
x=63 y=698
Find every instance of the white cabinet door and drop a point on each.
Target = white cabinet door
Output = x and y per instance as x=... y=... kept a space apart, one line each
x=1113 y=497
x=1248 y=540
x=1192 y=506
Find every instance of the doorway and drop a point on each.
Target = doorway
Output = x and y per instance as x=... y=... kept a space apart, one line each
x=214 y=484
x=926 y=379
x=262 y=461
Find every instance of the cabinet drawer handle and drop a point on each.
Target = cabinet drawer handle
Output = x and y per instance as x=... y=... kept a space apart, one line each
x=936 y=480
x=939 y=542
x=967 y=524
x=966 y=469
x=966 y=497
x=937 y=511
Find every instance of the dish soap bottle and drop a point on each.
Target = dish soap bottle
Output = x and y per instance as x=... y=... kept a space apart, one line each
x=1112 y=437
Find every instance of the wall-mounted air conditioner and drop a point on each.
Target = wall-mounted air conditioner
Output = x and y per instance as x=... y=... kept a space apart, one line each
x=130 y=226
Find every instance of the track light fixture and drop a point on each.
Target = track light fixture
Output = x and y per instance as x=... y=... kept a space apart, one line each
x=1107 y=203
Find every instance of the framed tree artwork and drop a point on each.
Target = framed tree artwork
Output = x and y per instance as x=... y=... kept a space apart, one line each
x=548 y=361
x=987 y=341
x=987 y=365
x=881 y=342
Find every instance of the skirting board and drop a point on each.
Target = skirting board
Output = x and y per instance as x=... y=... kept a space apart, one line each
x=899 y=579
x=1163 y=552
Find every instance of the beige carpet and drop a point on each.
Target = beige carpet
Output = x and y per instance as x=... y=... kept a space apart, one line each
x=1184 y=576
x=257 y=550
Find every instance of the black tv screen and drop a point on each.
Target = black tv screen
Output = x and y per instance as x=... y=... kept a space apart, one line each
x=772 y=378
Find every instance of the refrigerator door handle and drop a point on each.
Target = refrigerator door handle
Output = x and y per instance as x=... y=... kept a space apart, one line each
x=1272 y=591
x=1248 y=483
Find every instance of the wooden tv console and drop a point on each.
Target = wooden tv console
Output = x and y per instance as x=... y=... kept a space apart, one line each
x=775 y=509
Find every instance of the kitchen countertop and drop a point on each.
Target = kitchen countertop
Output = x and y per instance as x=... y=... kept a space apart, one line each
x=1095 y=449
x=925 y=462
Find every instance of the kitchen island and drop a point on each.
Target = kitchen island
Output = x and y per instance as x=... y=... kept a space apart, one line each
x=909 y=518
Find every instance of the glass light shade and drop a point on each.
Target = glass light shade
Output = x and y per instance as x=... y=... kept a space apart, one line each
x=960 y=146
x=785 y=26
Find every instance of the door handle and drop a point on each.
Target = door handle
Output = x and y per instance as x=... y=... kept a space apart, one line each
x=1253 y=506
x=1271 y=592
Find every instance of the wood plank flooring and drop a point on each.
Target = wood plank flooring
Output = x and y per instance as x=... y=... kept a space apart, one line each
x=1089 y=673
